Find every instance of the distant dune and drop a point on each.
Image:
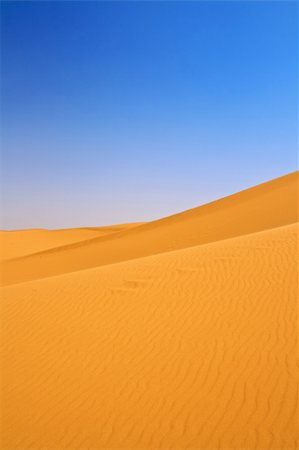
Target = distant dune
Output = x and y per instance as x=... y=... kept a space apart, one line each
x=16 y=243
x=177 y=334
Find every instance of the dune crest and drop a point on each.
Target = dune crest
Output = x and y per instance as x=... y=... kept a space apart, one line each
x=268 y=205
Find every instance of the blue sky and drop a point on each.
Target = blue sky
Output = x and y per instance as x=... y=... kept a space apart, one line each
x=126 y=111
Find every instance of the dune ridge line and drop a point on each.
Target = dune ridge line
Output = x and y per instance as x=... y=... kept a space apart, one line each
x=265 y=206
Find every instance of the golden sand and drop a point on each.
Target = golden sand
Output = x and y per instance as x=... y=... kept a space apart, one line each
x=184 y=339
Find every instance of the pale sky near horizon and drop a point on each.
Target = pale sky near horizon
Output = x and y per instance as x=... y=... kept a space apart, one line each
x=117 y=112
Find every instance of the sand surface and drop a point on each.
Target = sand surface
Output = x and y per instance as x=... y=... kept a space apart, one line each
x=188 y=347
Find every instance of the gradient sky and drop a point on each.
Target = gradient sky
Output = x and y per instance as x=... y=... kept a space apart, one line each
x=126 y=111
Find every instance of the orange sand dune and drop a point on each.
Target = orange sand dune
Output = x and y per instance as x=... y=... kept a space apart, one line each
x=267 y=205
x=190 y=349
x=18 y=243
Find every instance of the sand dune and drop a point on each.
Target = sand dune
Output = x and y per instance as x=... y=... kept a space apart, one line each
x=18 y=243
x=191 y=349
x=265 y=206
x=178 y=334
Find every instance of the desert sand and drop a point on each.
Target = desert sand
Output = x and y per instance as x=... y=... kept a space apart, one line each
x=179 y=333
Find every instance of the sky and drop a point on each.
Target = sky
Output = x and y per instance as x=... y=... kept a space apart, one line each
x=117 y=112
